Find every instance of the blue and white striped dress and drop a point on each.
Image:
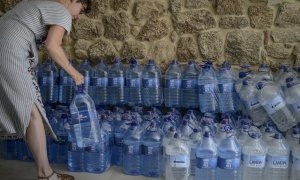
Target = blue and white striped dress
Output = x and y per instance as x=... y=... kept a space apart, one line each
x=20 y=28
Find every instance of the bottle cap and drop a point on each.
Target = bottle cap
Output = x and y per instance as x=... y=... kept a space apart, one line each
x=278 y=136
x=207 y=134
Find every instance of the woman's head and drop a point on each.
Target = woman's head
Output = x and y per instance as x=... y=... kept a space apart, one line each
x=76 y=7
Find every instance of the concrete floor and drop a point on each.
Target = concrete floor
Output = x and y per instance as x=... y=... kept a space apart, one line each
x=18 y=170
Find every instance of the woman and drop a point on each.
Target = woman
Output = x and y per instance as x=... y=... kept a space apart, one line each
x=21 y=109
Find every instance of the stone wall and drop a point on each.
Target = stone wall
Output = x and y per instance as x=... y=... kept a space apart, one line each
x=241 y=31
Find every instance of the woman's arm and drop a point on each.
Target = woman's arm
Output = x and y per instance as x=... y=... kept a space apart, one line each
x=56 y=52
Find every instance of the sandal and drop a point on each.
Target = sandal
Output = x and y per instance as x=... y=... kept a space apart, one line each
x=60 y=176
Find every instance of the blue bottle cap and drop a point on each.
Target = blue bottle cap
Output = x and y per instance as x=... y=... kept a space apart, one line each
x=243 y=74
x=260 y=85
x=64 y=116
x=101 y=61
x=296 y=131
x=80 y=88
x=184 y=122
x=246 y=82
x=269 y=129
x=278 y=136
x=177 y=136
x=133 y=124
x=172 y=129
x=207 y=134
x=196 y=130
x=151 y=62
x=289 y=79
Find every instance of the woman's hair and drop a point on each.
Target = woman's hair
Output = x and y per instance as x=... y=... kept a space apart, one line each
x=87 y=4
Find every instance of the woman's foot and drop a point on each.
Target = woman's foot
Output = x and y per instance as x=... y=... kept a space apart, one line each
x=56 y=176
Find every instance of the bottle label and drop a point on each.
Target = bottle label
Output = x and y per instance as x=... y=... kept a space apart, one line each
x=252 y=103
x=179 y=161
x=254 y=161
x=150 y=83
x=100 y=82
x=278 y=161
x=150 y=150
x=119 y=141
x=229 y=163
x=207 y=163
x=296 y=106
x=206 y=88
x=116 y=82
x=225 y=88
x=133 y=83
x=274 y=105
x=296 y=163
x=132 y=150
x=189 y=84
x=173 y=83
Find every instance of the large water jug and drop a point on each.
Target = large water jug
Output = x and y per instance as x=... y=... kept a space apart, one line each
x=98 y=85
x=254 y=157
x=152 y=149
x=48 y=82
x=132 y=150
x=84 y=120
x=151 y=85
x=195 y=140
x=116 y=83
x=207 y=90
x=225 y=90
x=295 y=170
x=86 y=70
x=189 y=86
x=207 y=157
x=292 y=96
x=172 y=91
x=277 y=164
x=177 y=159
x=229 y=157
x=275 y=105
x=133 y=76
x=263 y=73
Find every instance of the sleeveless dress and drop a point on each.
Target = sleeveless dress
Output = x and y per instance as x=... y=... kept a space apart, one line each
x=21 y=28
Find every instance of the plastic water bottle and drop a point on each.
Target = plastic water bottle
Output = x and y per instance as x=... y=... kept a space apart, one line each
x=275 y=105
x=288 y=72
x=86 y=70
x=293 y=137
x=23 y=152
x=292 y=96
x=277 y=163
x=249 y=96
x=133 y=84
x=172 y=91
x=229 y=157
x=206 y=158
x=263 y=73
x=48 y=82
x=120 y=128
x=189 y=86
x=244 y=72
x=268 y=134
x=66 y=87
x=243 y=136
x=132 y=150
x=152 y=148
x=97 y=155
x=279 y=72
x=207 y=90
x=195 y=140
x=151 y=85
x=84 y=119
x=116 y=83
x=168 y=122
x=295 y=170
x=186 y=128
x=225 y=88
x=98 y=85
x=58 y=150
x=254 y=157
x=177 y=159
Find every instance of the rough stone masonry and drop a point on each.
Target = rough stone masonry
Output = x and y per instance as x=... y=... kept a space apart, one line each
x=240 y=31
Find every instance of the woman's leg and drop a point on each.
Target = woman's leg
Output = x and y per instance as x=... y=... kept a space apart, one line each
x=36 y=140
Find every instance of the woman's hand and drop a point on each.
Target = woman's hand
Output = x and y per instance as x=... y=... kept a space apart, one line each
x=77 y=77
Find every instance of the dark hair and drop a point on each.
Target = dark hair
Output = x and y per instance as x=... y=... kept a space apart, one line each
x=86 y=3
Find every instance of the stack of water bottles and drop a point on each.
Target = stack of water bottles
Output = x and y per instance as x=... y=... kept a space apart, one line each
x=193 y=122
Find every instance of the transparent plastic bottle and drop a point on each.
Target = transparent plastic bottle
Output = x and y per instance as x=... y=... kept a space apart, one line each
x=277 y=162
x=292 y=96
x=206 y=158
x=249 y=96
x=229 y=157
x=172 y=91
x=177 y=159
x=189 y=86
x=152 y=148
x=207 y=88
x=195 y=140
x=254 y=157
x=116 y=83
x=151 y=85
x=133 y=76
x=86 y=70
x=275 y=105
x=295 y=170
x=98 y=85
x=66 y=87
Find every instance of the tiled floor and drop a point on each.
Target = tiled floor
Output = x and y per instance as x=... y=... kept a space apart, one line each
x=18 y=170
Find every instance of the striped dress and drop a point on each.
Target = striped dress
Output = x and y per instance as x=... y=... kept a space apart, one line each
x=21 y=27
